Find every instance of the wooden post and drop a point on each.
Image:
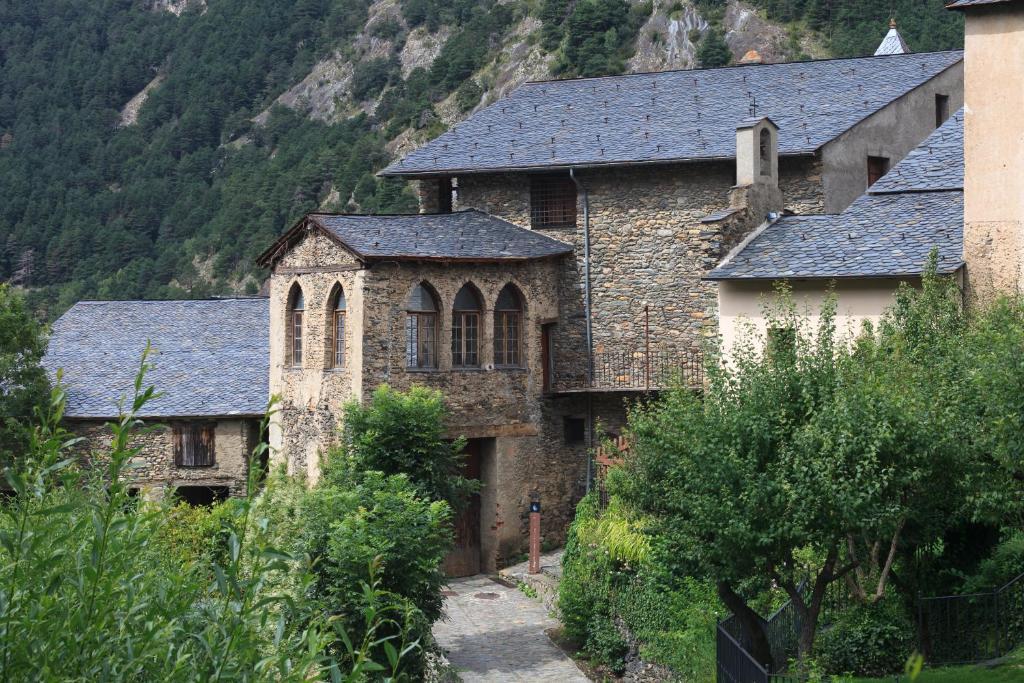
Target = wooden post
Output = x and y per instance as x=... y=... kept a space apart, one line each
x=534 y=566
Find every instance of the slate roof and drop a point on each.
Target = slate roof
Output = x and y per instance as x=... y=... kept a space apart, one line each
x=888 y=232
x=935 y=164
x=672 y=115
x=211 y=357
x=469 y=235
x=892 y=44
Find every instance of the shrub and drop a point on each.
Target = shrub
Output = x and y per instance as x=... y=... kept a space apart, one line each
x=468 y=95
x=23 y=383
x=605 y=644
x=586 y=569
x=192 y=534
x=402 y=433
x=1005 y=563
x=867 y=640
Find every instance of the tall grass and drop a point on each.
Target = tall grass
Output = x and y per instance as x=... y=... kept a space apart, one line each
x=88 y=591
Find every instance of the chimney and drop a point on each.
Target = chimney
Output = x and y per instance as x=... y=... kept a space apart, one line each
x=993 y=147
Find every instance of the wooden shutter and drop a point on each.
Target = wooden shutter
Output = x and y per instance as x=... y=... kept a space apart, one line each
x=193 y=444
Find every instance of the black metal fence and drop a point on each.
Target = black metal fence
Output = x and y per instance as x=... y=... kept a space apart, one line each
x=953 y=629
x=963 y=629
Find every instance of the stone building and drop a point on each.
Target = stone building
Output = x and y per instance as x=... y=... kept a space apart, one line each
x=860 y=256
x=448 y=301
x=209 y=366
x=654 y=179
x=994 y=146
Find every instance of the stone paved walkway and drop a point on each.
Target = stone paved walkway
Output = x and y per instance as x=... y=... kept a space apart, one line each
x=495 y=633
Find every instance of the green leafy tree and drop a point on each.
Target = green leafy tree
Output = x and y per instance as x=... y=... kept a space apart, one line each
x=809 y=460
x=713 y=51
x=23 y=382
x=404 y=433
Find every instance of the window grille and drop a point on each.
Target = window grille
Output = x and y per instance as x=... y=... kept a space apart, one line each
x=193 y=444
x=552 y=202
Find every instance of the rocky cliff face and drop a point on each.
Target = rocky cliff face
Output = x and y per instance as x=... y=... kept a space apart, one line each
x=667 y=40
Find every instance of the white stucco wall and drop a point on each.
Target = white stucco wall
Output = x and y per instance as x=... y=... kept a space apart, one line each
x=743 y=305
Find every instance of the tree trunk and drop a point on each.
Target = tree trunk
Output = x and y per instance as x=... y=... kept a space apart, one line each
x=751 y=622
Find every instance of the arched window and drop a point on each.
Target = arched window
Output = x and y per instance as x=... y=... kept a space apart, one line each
x=421 y=328
x=508 y=327
x=336 y=328
x=466 y=328
x=293 y=326
x=766 y=149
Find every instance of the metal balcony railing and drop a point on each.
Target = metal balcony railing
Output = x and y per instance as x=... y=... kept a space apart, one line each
x=642 y=369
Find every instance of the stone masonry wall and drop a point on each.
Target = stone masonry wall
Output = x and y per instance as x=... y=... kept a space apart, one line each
x=153 y=469
x=505 y=405
x=648 y=246
x=312 y=394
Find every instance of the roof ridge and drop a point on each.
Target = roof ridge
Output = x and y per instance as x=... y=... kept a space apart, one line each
x=733 y=66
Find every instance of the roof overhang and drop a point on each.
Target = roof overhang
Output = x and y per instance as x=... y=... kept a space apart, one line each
x=301 y=227
x=553 y=168
x=829 y=278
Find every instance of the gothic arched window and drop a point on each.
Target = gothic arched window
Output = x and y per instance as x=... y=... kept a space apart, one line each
x=466 y=328
x=421 y=328
x=508 y=327
x=293 y=326
x=336 y=328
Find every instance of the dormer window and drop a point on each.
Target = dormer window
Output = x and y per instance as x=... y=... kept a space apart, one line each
x=293 y=327
x=336 y=328
x=552 y=202
x=466 y=329
x=421 y=328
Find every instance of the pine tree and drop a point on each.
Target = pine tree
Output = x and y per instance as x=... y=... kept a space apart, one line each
x=713 y=50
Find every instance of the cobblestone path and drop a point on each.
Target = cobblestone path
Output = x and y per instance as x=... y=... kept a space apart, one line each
x=495 y=633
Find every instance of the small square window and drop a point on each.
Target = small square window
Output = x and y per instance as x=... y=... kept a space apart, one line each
x=575 y=430
x=877 y=167
x=552 y=202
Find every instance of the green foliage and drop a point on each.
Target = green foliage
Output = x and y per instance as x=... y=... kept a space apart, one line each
x=403 y=433
x=23 y=383
x=468 y=95
x=94 y=586
x=868 y=640
x=605 y=646
x=373 y=75
x=713 y=50
x=855 y=28
x=599 y=35
x=196 y=534
x=1004 y=564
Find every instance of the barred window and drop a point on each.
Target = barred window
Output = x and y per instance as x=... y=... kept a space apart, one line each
x=421 y=329
x=336 y=328
x=293 y=327
x=552 y=202
x=508 y=323
x=193 y=444
x=466 y=328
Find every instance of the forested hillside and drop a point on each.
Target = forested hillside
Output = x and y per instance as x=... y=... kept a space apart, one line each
x=151 y=148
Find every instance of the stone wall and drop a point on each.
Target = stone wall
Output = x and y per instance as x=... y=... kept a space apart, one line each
x=649 y=246
x=153 y=470
x=312 y=393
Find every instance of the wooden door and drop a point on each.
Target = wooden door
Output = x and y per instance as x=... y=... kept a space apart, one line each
x=464 y=559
